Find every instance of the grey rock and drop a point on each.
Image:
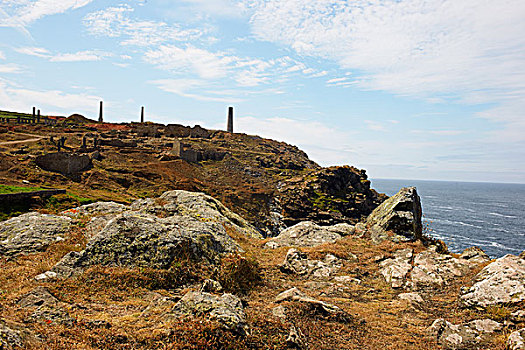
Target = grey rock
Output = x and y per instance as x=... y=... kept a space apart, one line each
x=140 y=240
x=475 y=254
x=227 y=309
x=45 y=307
x=296 y=339
x=98 y=208
x=500 y=282
x=434 y=270
x=413 y=298
x=9 y=338
x=294 y=294
x=516 y=340
x=400 y=214
x=297 y=262
x=211 y=286
x=31 y=232
x=461 y=336
x=309 y=234
x=396 y=270
x=197 y=205
x=279 y=311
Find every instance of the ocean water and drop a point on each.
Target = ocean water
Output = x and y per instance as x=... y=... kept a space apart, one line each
x=464 y=214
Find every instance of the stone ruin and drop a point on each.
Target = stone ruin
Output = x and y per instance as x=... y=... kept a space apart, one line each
x=64 y=163
x=147 y=130
x=186 y=152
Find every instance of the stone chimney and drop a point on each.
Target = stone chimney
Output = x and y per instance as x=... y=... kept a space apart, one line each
x=142 y=115
x=100 y=115
x=230 y=119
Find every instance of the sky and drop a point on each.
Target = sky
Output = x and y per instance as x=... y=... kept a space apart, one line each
x=406 y=89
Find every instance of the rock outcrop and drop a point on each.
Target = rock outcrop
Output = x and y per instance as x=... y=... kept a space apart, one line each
x=197 y=205
x=227 y=309
x=426 y=270
x=31 y=232
x=399 y=215
x=309 y=234
x=500 y=282
x=328 y=196
x=141 y=240
x=462 y=336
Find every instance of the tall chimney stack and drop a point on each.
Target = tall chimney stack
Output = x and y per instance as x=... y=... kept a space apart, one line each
x=230 y=119
x=100 y=116
x=142 y=115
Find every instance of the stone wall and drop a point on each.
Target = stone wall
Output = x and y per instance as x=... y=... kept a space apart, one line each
x=64 y=163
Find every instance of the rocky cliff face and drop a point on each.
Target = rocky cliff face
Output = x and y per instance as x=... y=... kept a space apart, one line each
x=328 y=196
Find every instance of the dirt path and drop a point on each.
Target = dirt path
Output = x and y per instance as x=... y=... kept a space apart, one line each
x=35 y=138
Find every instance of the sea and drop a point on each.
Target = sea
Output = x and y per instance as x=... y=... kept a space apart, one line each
x=465 y=214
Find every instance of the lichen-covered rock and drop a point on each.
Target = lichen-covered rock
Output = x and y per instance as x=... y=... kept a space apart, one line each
x=45 y=307
x=400 y=214
x=98 y=208
x=462 y=336
x=516 y=340
x=475 y=254
x=339 y=194
x=9 y=338
x=294 y=294
x=31 y=232
x=428 y=269
x=297 y=262
x=197 y=205
x=434 y=270
x=308 y=234
x=227 y=309
x=413 y=298
x=141 y=240
x=500 y=282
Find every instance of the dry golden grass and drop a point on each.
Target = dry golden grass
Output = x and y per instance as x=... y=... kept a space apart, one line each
x=108 y=303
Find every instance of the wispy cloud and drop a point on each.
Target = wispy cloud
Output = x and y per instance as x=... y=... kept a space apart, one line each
x=187 y=87
x=438 y=50
x=10 y=68
x=21 y=13
x=80 y=56
x=117 y=22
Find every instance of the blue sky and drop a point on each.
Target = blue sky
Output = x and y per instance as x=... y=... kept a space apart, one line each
x=413 y=89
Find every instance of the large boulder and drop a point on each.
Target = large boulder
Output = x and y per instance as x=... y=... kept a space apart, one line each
x=197 y=205
x=501 y=282
x=462 y=336
x=227 y=309
x=140 y=240
x=309 y=234
x=31 y=232
x=400 y=215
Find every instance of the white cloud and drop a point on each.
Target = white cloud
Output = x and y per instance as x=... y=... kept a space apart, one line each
x=21 y=13
x=116 y=22
x=33 y=51
x=187 y=87
x=2 y=56
x=81 y=56
x=10 y=68
x=13 y=97
x=223 y=8
x=468 y=50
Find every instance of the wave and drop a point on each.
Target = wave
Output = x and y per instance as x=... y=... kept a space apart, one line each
x=503 y=216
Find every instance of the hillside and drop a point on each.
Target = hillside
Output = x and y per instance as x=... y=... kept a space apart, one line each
x=171 y=237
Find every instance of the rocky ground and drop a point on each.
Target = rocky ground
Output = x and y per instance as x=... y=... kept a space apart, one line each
x=182 y=271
